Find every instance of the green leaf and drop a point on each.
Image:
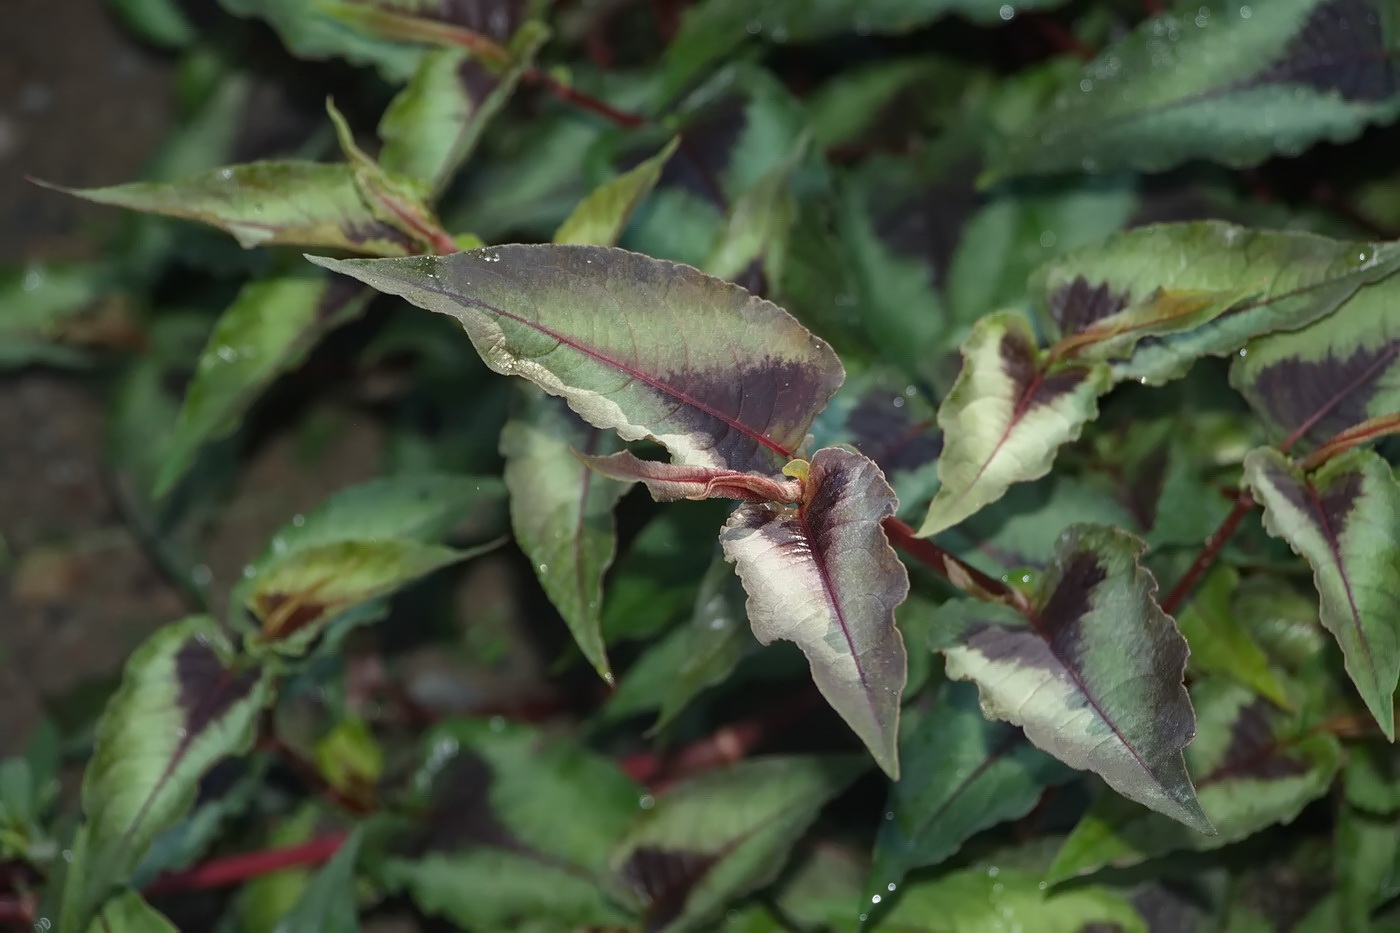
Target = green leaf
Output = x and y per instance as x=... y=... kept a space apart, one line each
x=328 y=903
x=1199 y=289
x=1232 y=83
x=1330 y=376
x=752 y=247
x=824 y=576
x=600 y=218
x=1093 y=675
x=962 y=774
x=562 y=512
x=1006 y=417
x=712 y=30
x=269 y=329
x=1254 y=768
x=270 y=203
x=716 y=375
x=263 y=901
x=162 y=22
x=183 y=705
x=38 y=304
x=1344 y=519
x=435 y=123
x=128 y=912
x=1372 y=778
x=1221 y=642
x=717 y=836
x=518 y=826
x=656 y=579
x=982 y=900
x=1367 y=867
x=316 y=29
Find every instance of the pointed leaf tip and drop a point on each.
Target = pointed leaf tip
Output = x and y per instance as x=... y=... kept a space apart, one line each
x=825 y=577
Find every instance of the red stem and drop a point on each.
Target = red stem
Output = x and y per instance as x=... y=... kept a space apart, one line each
x=232 y=869
x=1204 y=560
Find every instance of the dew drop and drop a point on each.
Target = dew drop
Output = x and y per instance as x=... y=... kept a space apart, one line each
x=298 y=520
x=890 y=887
x=544 y=568
x=875 y=899
x=33 y=280
x=993 y=871
x=497 y=723
x=1043 y=885
x=1006 y=12
x=1246 y=12
x=646 y=801
x=249 y=571
x=1047 y=239
x=1244 y=351
x=1086 y=85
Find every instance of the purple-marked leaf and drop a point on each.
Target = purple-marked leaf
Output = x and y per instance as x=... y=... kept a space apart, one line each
x=562 y=512
x=981 y=899
x=181 y=707
x=1095 y=677
x=1254 y=766
x=824 y=576
x=1344 y=519
x=1221 y=642
x=751 y=249
x=668 y=482
x=720 y=835
x=600 y=218
x=645 y=347
x=1006 y=417
x=518 y=826
x=128 y=912
x=961 y=774
x=379 y=530
x=271 y=203
x=1330 y=376
x=269 y=329
x=1232 y=83
x=1158 y=298
x=434 y=124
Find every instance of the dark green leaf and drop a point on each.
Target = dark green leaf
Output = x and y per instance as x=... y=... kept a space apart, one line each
x=961 y=775
x=562 y=512
x=128 y=912
x=328 y=903
x=1093 y=676
x=1221 y=642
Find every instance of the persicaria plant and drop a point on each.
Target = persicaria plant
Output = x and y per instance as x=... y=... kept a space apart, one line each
x=983 y=330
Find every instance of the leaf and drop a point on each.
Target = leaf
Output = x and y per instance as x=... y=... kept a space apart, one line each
x=271 y=203
x=1157 y=298
x=435 y=123
x=517 y=826
x=328 y=903
x=128 y=912
x=752 y=247
x=1372 y=778
x=1006 y=416
x=1224 y=82
x=162 y=22
x=1330 y=376
x=1221 y=642
x=668 y=482
x=717 y=376
x=824 y=577
x=981 y=900
x=1344 y=519
x=315 y=29
x=1367 y=867
x=717 y=836
x=562 y=513
x=1254 y=768
x=711 y=31
x=269 y=329
x=1094 y=676
x=600 y=218
x=41 y=302
x=182 y=706
x=961 y=775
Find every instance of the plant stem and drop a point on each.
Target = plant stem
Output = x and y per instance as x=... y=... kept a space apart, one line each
x=1213 y=546
x=953 y=569
x=232 y=869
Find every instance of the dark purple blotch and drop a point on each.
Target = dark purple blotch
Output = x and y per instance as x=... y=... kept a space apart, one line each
x=1332 y=393
x=1329 y=508
x=1078 y=305
x=1255 y=751
x=663 y=879
x=1341 y=48
x=460 y=814
x=1020 y=360
x=890 y=436
x=207 y=687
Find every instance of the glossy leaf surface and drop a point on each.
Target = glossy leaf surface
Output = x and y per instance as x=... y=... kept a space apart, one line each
x=1344 y=519
x=1094 y=677
x=1010 y=411
x=824 y=576
x=1232 y=83
x=645 y=347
